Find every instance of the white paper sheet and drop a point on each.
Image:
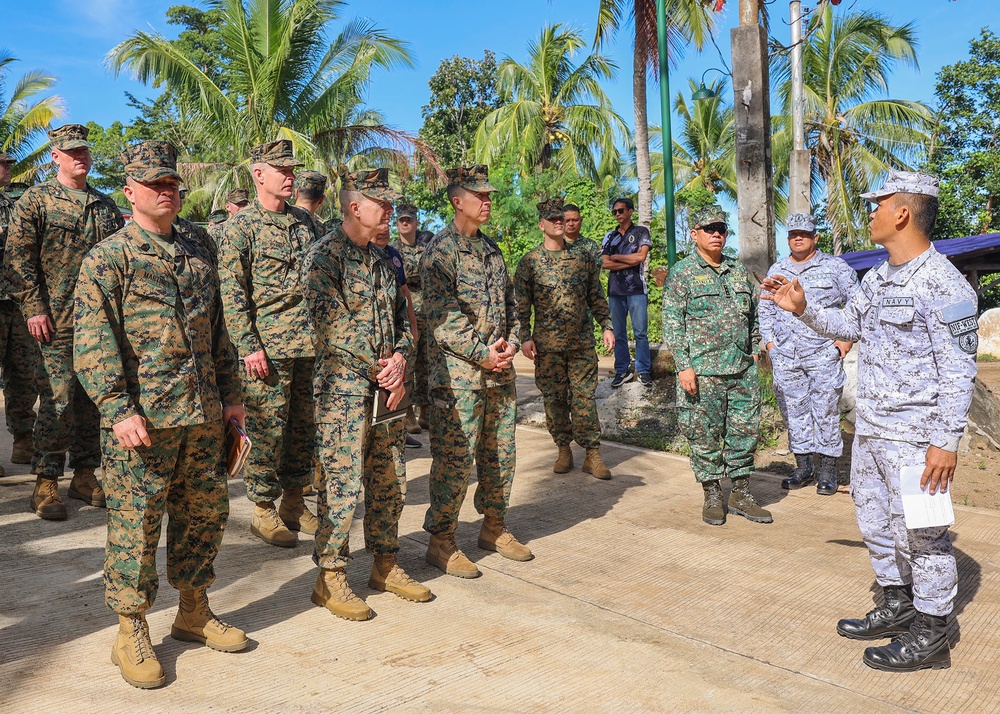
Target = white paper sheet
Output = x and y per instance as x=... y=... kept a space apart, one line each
x=920 y=508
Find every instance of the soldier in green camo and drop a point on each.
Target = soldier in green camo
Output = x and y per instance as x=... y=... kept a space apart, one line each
x=216 y=219
x=18 y=349
x=236 y=200
x=152 y=349
x=55 y=224
x=310 y=194
x=259 y=262
x=472 y=325
x=411 y=248
x=363 y=341
x=710 y=325
x=563 y=286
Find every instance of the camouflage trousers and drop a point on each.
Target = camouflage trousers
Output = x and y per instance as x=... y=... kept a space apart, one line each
x=183 y=474
x=568 y=382
x=418 y=365
x=720 y=423
x=280 y=423
x=19 y=356
x=808 y=392
x=353 y=453
x=469 y=426
x=899 y=556
x=67 y=418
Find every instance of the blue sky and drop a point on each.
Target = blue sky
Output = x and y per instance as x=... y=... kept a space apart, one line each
x=70 y=38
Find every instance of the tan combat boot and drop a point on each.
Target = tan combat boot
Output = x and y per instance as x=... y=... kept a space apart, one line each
x=319 y=480
x=266 y=525
x=411 y=424
x=295 y=515
x=332 y=592
x=564 y=462
x=45 y=501
x=594 y=465
x=195 y=622
x=24 y=449
x=85 y=487
x=423 y=419
x=134 y=655
x=387 y=576
x=443 y=553
x=495 y=536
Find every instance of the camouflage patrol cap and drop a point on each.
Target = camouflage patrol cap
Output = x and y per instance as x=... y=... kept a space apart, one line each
x=805 y=222
x=471 y=178
x=905 y=182
x=218 y=216
x=708 y=215
x=69 y=136
x=311 y=180
x=150 y=161
x=373 y=183
x=15 y=190
x=405 y=210
x=238 y=196
x=7 y=158
x=550 y=208
x=275 y=153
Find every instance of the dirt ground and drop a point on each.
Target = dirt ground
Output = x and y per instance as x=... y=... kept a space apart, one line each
x=977 y=479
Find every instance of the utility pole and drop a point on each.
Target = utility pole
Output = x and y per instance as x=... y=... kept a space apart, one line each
x=799 y=200
x=668 y=144
x=754 y=183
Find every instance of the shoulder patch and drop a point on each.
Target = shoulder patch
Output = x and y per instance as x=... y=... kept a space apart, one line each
x=969 y=342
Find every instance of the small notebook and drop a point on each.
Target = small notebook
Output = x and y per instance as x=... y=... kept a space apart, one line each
x=380 y=409
x=920 y=508
x=237 y=448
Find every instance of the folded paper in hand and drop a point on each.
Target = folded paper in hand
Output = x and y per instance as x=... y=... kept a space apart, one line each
x=921 y=509
x=237 y=448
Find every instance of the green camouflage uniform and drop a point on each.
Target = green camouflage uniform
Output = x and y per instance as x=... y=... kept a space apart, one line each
x=359 y=317
x=710 y=325
x=468 y=304
x=418 y=366
x=19 y=355
x=588 y=246
x=151 y=340
x=260 y=259
x=217 y=220
x=564 y=288
x=46 y=242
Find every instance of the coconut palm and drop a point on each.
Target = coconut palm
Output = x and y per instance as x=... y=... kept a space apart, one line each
x=853 y=134
x=689 y=22
x=281 y=79
x=24 y=118
x=555 y=113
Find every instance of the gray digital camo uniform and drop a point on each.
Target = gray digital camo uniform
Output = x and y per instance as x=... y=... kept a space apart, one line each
x=808 y=370
x=916 y=370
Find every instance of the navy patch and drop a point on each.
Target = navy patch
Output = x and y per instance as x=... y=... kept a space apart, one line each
x=969 y=342
x=397 y=262
x=967 y=324
x=897 y=302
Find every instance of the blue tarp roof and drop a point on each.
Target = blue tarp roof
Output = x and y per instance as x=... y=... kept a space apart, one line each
x=865 y=259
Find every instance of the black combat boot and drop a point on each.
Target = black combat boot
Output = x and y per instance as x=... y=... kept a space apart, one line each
x=827 y=485
x=924 y=646
x=893 y=617
x=802 y=475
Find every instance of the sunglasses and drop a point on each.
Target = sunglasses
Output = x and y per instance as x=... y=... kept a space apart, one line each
x=720 y=228
x=618 y=211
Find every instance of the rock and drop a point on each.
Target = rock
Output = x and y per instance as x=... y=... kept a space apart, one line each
x=989 y=333
x=782 y=452
x=661 y=362
x=849 y=397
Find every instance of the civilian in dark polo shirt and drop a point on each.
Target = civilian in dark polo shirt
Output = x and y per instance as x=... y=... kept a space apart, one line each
x=624 y=251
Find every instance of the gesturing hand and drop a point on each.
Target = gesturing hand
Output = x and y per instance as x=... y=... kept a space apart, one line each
x=787 y=295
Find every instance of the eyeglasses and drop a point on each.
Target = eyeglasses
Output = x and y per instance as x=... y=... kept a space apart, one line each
x=618 y=211
x=720 y=228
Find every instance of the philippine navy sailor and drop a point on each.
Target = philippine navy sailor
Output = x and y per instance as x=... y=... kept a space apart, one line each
x=915 y=317
x=808 y=367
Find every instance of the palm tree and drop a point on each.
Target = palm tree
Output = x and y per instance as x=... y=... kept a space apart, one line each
x=25 y=118
x=689 y=22
x=555 y=113
x=853 y=134
x=281 y=79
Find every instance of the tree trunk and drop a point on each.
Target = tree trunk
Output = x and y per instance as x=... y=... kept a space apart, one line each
x=645 y=202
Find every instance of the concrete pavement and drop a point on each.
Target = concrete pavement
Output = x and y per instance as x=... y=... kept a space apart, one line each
x=632 y=604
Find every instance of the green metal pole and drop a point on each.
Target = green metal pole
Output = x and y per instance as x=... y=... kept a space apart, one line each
x=668 y=145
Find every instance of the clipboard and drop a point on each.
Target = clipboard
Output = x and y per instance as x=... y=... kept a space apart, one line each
x=237 y=448
x=380 y=409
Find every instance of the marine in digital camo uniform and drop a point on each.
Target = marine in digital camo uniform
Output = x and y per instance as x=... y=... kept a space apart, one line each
x=807 y=367
x=710 y=325
x=363 y=341
x=411 y=246
x=55 y=224
x=216 y=219
x=474 y=334
x=260 y=259
x=310 y=194
x=562 y=286
x=19 y=354
x=152 y=350
x=915 y=318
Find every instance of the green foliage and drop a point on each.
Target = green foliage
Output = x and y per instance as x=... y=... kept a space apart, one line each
x=108 y=173
x=967 y=150
x=24 y=118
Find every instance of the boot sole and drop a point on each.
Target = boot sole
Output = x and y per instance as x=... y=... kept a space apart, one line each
x=562 y=471
x=826 y=492
x=58 y=516
x=467 y=574
x=139 y=684
x=790 y=486
x=316 y=600
x=714 y=521
x=486 y=545
x=870 y=638
x=602 y=477
x=755 y=519
x=95 y=502
x=943 y=664
x=20 y=459
x=187 y=636
x=256 y=532
x=383 y=588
